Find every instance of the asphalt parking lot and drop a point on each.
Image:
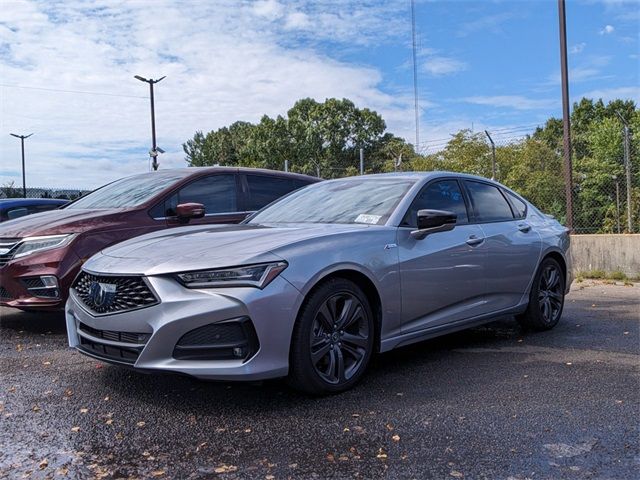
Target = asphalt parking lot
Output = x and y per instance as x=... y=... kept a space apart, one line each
x=493 y=402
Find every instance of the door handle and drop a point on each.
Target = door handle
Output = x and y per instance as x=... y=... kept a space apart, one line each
x=473 y=240
x=523 y=227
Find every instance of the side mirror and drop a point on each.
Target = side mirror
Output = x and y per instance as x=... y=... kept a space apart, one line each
x=187 y=211
x=433 y=221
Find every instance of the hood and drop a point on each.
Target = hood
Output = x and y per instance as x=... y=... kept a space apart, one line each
x=53 y=222
x=197 y=248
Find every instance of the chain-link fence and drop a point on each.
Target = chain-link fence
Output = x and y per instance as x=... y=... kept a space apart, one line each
x=606 y=194
x=63 y=193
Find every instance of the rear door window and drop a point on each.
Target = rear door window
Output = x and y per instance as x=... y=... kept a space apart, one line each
x=487 y=202
x=264 y=189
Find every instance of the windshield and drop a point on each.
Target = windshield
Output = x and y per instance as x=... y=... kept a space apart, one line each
x=363 y=200
x=127 y=192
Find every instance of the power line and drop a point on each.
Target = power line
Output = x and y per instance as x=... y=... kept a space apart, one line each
x=71 y=91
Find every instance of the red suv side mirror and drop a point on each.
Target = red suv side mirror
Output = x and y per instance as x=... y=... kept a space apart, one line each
x=187 y=211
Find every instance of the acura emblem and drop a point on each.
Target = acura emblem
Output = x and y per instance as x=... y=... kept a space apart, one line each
x=102 y=294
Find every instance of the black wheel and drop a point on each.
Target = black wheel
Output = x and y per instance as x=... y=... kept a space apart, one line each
x=546 y=299
x=333 y=339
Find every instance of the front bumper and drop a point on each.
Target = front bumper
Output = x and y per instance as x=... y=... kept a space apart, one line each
x=16 y=275
x=271 y=312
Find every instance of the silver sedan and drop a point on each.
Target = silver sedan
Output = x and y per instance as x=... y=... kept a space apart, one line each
x=313 y=285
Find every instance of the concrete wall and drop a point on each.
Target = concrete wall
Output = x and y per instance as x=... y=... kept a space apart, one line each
x=606 y=252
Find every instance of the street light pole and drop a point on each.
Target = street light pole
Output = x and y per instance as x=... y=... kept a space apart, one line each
x=493 y=156
x=154 y=147
x=24 y=181
x=566 y=123
x=627 y=167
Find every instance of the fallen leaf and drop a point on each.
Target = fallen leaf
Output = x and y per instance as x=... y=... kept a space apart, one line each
x=43 y=464
x=11 y=389
x=396 y=438
x=201 y=446
x=84 y=410
x=389 y=426
x=569 y=363
x=343 y=458
x=35 y=408
x=46 y=363
x=355 y=415
x=225 y=468
x=141 y=424
x=157 y=473
x=269 y=477
x=455 y=473
x=331 y=458
x=75 y=429
x=346 y=429
x=381 y=454
x=108 y=421
x=107 y=398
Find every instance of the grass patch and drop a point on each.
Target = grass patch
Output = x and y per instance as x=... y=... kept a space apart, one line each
x=616 y=275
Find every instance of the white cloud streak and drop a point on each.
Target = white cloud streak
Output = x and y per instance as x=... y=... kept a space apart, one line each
x=224 y=61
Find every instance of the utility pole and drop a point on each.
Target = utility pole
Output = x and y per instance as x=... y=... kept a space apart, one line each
x=415 y=73
x=493 y=156
x=627 y=168
x=153 y=153
x=566 y=122
x=24 y=181
x=361 y=161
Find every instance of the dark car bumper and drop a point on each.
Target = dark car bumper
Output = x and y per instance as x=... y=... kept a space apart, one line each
x=22 y=284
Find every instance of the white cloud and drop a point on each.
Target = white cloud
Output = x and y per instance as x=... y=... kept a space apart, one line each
x=297 y=20
x=224 y=62
x=516 y=102
x=577 y=48
x=608 y=94
x=438 y=66
x=607 y=30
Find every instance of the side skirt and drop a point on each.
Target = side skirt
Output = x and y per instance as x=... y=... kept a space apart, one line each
x=419 y=336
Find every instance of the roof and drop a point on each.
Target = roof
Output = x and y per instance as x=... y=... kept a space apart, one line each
x=186 y=171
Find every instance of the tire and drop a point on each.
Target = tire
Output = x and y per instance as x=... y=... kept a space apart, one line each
x=333 y=339
x=546 y=299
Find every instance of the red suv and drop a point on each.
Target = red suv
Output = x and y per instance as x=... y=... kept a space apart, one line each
x=41 y=254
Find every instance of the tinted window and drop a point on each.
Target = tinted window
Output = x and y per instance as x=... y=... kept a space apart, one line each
x=263 y=190
x=520 y=208
x=441 y=195
x=354 y=200
x=17 y=212
x=217 y=193
x=488 y=203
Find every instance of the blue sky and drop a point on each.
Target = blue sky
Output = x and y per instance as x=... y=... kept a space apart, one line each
x=66 y=70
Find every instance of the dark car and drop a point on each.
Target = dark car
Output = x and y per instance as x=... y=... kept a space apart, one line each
x=41 y=254
x=11 y=208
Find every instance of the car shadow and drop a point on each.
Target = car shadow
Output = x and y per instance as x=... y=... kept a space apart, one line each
x=32 y=322
x=184 y=393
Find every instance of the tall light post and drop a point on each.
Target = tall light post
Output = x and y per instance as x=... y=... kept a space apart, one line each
x=153 y=153
x=627 y=168
x=566 y=123
x=24 y=181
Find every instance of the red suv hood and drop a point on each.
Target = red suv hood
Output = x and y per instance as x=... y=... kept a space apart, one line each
x=54 y=222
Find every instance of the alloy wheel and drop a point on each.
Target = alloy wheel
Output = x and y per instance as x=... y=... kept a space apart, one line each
x=550 y=296
x=339 y=338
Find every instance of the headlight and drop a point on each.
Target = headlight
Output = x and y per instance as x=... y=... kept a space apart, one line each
x=31 y=245
x=259 y=275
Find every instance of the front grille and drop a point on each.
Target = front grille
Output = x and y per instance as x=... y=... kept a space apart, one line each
x=4 y=294
x=129 y=293
x=7 y=249
x=123 y=337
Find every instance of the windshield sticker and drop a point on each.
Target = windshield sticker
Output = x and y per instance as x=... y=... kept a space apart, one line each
x=370 y=219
